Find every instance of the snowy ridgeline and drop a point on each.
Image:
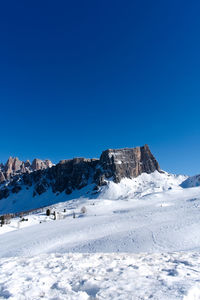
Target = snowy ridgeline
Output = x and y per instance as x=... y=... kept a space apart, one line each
x=191 y=182
x=101 y=276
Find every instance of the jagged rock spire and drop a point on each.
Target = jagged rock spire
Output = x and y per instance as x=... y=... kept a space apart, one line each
x=15 y=166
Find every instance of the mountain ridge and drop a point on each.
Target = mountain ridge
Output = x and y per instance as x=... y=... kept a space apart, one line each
x=14 y=167
x=74 y=174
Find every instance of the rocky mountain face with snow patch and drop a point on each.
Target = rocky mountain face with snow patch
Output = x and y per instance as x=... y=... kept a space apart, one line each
x=128 y=162
x=74 y=174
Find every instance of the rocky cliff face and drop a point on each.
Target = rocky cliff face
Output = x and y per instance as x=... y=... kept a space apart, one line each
x=69 y=175
x=14 y=167
x=128 y=162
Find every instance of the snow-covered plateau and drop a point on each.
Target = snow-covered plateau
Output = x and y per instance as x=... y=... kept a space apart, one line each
x=138 y=239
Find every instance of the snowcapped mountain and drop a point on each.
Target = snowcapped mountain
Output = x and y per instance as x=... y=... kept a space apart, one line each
x=135 y=188
x=118 y=227
x=118 y=174
x=191 y=182
x=71 y=177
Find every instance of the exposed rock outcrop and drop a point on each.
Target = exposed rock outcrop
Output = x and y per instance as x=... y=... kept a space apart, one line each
x=39 y=164
x=72 y=174
x=128 y=162
x=2 y=177
x=14 y=167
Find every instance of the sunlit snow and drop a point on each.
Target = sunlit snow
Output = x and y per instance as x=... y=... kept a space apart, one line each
x=137 y=240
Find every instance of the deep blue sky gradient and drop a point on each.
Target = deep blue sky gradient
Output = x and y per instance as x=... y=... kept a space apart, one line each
x=78 y=77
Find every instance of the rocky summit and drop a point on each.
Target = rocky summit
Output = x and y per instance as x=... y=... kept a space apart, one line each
x=74 y=174
x=14 y=167
x=128 y=162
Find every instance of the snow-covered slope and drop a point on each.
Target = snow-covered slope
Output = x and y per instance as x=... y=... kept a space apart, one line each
x=191 y=182
x=161 y=218
x=127 y=188
x=142 y=185
x=146 y=219
x=24 y=201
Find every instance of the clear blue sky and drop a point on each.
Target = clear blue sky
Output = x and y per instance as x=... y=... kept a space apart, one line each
x=78 y=77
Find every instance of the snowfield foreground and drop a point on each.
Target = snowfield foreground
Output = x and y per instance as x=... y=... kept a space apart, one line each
x=101 y=276
x=153 y=221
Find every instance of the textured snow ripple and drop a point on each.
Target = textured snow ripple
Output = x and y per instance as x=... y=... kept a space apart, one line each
x=101 y=276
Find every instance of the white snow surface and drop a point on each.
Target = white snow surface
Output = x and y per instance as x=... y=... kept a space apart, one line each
x=142 y=185
x=101 y=276
x=191 y=181
x=151 y=213
x=139 y=239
